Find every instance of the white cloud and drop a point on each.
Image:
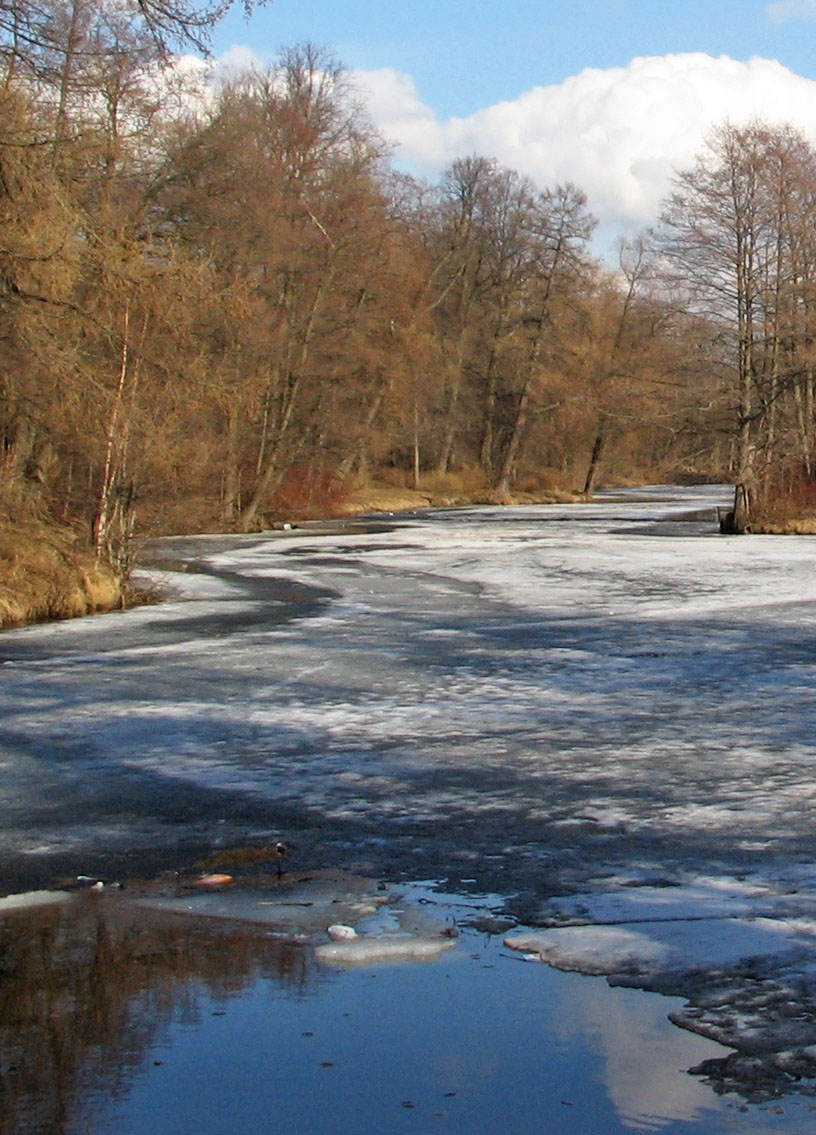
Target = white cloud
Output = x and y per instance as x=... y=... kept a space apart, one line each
x=617 y=133
x=234 y=63
x=784 y=10
x=188 y=84
x=402 y=118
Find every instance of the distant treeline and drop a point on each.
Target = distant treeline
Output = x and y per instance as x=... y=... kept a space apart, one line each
x=221 y=304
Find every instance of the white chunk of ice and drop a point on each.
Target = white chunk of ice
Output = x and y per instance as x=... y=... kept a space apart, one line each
x=593 y=949
x=340 y=933
x=368 y=951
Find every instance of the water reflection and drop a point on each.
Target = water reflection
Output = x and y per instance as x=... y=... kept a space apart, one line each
x=88 y=989
x=118 y=1021
x=632 y=1038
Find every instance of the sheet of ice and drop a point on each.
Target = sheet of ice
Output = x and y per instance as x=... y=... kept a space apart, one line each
x=706 y=898
x=657 y=947
x=302 y=911
x=351 y=687
x=376 y=688
x=603 y=700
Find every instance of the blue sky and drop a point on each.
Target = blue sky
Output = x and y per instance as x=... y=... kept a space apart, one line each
x=510 y=79
x=465 y=54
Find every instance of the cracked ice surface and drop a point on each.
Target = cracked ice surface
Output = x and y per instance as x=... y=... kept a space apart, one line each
x=604 y=712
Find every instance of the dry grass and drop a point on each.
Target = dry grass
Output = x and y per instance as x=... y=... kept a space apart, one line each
x=467 y=481
x=790 y=526
x=46 y=574
x=386 y=499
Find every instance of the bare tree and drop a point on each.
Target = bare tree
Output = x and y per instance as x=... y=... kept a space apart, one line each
x=736 y=239
x=27 y=27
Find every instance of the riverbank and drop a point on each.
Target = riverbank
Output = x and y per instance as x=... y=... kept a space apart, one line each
x=389 y=499
x=45 y=573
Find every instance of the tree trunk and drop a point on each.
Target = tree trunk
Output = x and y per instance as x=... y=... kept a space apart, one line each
x=232 y=479
x=109 y=469
x=443 y=464
x=595 y=459
x=511 y=453
x=488 y=430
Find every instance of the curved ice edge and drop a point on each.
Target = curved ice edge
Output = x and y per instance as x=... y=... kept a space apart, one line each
x=592 y=950
x=667 y=945
x=366 y=951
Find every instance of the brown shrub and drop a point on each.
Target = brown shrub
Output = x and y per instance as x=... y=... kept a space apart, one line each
x=787 y=504
x=306 y=494
x=545 y=479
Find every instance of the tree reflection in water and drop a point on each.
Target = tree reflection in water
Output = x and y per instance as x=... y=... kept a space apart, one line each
x=88 y=987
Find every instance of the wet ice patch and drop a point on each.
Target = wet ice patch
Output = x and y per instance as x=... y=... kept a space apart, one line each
x=364 y=924
x=712 y=898
x=711 y=921
x=402 y=930
x=740 y=951
x=28 y=900
x=295 y=908
x=655 y=947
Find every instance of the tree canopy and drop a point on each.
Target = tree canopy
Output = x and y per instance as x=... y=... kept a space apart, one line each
x=224 y=311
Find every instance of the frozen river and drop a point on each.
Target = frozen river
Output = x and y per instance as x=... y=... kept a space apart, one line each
x=602 y=713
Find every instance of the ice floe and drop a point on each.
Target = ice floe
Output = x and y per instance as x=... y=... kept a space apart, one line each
x=371 y=950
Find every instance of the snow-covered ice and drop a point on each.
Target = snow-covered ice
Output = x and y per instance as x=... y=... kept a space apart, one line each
x=604 y=712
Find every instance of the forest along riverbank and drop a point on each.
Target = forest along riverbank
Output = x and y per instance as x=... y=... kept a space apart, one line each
x=600 y=712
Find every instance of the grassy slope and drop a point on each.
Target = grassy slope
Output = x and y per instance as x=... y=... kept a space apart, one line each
x=45 y=573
